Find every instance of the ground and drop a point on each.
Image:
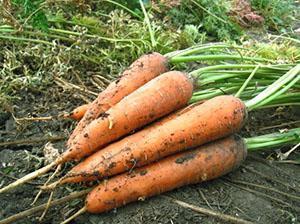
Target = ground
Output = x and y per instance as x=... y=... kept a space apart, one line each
x=262 y=190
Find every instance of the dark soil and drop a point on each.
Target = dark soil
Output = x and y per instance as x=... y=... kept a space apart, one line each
x=234 y=194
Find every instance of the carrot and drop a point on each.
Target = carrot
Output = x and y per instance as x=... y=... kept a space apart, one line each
x=97 y=134
x=253 y=144
x=214 y=119
x=164 y=94
x=194 y=166
x=78 y=112
x=140 y=72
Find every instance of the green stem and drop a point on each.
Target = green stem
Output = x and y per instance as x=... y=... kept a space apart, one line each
x=280 y=105
x=215 y=68
x=212 y=77
x=219 y=57
x=70 y=22
x=260 y=81
x=287 y=97
x=67 y=32
x=292 y=136
x=277 y=94
x=198 y=49
x=94 y=36
x=273 y=91
x=266 y=72
x=219 y=67
x=43 y=34
x=246 y=82
x=219 y=92
x=147 y=20
x=5 y=26
x=26 y=40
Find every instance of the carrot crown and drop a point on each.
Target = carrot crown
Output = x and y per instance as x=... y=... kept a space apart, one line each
x=247 y=81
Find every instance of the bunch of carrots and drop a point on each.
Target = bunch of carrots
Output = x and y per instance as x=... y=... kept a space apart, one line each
x=153 y=132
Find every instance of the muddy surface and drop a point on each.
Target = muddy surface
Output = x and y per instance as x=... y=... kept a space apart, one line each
x=253 y=192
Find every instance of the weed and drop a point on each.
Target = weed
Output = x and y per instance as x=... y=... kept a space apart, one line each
x=32 y=11
x=284 y=52
x=278 y=14
x=210 y=17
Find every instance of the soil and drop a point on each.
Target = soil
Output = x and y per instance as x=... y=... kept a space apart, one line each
x=233 y=194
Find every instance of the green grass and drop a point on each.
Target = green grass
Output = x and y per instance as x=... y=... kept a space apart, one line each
x=90 y=39
x=32 y=11
x=80 y=45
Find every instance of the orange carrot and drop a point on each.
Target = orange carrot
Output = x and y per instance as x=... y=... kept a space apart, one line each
x=164 y=94
x=140 y=72
x=214 y=119
x=194 y=166
x=78 y=112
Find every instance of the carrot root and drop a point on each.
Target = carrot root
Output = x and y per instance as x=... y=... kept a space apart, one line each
x=78 y=112
x=47 y=206
x=45 y=184
x=194 y=166
x=40 y=208
x=29 y=177
x=51 y=186
x=139 y=73
x=205 y=211
x=163 y=94
x=70 y=176
x=78 y=213
x=191 y=127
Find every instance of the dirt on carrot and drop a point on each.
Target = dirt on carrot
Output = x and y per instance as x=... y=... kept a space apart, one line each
x=211 y=120
x=220 y=194
x=164 y=94
x=197 y=165
x=78 y=112
x=140 y=72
